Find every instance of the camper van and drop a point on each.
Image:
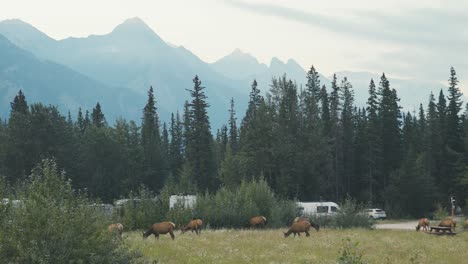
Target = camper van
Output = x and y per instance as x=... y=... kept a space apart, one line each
x=318 y=208
x=186 y=201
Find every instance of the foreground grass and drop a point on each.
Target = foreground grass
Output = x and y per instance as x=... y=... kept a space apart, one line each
x=269 y=246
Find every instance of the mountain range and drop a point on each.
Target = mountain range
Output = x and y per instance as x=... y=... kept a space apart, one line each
x=118 y=68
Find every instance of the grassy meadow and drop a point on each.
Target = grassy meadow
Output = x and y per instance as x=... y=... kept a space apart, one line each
x=325 y=246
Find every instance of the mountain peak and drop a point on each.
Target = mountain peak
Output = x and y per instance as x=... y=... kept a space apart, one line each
x=134 y=25
x=275 y=62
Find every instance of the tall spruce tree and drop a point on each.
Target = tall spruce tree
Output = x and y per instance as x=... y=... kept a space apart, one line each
x=348 y=128
x=153 y=169
x=455 y=146
x=390 y=131
x=199 y=152
x=97 y=116
x=233 y=137
x=176 y=147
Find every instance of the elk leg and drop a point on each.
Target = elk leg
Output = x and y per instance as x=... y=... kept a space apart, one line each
x=307 y=233
x=172 y=235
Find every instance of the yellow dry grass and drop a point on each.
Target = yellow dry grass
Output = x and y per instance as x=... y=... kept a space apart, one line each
x=269 y=246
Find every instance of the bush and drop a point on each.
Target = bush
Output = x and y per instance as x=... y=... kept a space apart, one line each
x=440 y=212
x=350 y=253
x=234 y=208
x=142 y=210
x=54 y=224
x=351 y=214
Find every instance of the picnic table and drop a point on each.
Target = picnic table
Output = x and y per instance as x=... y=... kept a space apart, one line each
x=438 y=230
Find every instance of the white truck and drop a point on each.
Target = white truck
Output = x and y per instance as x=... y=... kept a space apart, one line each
x=318 y=208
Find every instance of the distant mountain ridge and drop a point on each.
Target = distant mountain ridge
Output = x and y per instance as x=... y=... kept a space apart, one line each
x=133 y=57
x=51 y=83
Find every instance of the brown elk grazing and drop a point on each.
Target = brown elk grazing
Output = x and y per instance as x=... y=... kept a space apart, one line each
x=448 y=222
x=258 y=221
x=465 y=225
x=424 y=223
x=302 y=219
x=161 y=228
x=193 y=225
x=115 y=229
x=299 y=227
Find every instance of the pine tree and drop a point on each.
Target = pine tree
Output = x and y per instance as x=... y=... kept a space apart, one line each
x=176 y=145
x=19 y=104
x=233 y=138
x=390 y=131
x=455 y=146
x=80 y=122
x=373 y=144
x=165 y=142
x=151 y=143
x=313 y=83
x=335 y=138
x=325 y=109
x=97 y=116
x=199 y=152
x=19 y=150
x=347 y=122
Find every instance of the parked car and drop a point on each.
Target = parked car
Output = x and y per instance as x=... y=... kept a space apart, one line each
x=318 y=208
x=376 y=213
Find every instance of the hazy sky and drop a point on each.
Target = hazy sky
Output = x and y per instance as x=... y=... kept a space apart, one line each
x=413 y=39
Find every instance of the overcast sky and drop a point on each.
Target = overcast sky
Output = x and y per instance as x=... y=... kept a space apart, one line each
x=411 y=39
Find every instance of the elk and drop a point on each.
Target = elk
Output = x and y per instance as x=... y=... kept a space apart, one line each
x=258 y=221
x=424 y=223
x=115 y=228
x=193 y=225
x=297 y=228
x=301 y=219
x=161 y=228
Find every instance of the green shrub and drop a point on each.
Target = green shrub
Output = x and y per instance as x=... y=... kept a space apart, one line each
x=142 y=210
x=55 y=224
x=351 y=214
x=440 y=212
x=233 y=208
x=350 y=253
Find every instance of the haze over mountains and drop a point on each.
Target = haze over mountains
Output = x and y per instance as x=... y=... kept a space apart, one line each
x=118 y=68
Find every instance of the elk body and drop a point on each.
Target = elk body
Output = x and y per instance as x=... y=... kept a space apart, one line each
x=161 y=228
x=193 y=225
x=299 y=227
x=424 y=223
x=257 y=221
x=302 y=219
x=116 y=228
x=448 y=222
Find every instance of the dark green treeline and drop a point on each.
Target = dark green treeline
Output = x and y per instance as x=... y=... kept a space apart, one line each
x=308 y=143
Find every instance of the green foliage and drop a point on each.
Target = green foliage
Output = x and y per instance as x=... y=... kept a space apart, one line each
x=350 y=253
x=234 y=208
x=440 y=212
x=142 y=209
x=55 y=224
x=350 y=215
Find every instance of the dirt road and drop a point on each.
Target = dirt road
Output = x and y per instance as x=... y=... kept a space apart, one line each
x=410 y=225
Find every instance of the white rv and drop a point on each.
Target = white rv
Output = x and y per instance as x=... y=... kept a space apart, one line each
x=318 y=208
x=187 y=201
